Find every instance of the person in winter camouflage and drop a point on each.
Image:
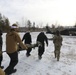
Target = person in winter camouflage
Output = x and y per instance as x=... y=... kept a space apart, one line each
x=57 y=40
x=12 y=41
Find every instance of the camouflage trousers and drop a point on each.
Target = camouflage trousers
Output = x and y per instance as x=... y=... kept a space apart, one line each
x=57 y=52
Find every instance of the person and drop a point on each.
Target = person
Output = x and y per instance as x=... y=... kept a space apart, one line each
x=1 y=43
x=57 y=40
x=41 y=38
x=27 y=40
x=12 y=41
x=2 y=72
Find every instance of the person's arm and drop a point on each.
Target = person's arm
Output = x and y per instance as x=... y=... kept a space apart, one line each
x=46 y=40
x=30 y=39
x=61 y=40
x=50 y=38
x=23 y=38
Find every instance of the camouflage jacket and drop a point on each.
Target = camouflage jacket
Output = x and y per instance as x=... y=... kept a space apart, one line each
x=57 y=40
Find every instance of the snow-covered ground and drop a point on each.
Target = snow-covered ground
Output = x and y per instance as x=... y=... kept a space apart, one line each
x=48 y=65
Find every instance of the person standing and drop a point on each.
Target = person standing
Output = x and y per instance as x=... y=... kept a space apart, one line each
x=27 y=40
x=41 y=38
x=57 y=40
x=12 y=41
x=1 y=43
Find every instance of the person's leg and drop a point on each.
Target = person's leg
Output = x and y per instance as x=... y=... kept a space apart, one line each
x=58 y=54
x=13 y=62
x=28 y=52
x=40 y=52
x=1 y=58
x=14 y=59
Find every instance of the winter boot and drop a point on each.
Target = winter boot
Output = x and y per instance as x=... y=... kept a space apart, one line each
x=11 y=71
x=57 y=59
x=58 y=56
x=28 y=55
x=40 y=57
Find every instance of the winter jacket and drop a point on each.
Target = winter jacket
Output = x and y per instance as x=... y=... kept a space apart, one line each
x=12 y=40
x=41 y=38
x=2 y=72
x=27 y=38
x=57 y=40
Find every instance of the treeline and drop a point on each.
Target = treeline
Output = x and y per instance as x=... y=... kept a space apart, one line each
x=28 y=25
x=4 y=23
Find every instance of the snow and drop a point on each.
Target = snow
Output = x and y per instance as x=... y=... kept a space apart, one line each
x=48 y=65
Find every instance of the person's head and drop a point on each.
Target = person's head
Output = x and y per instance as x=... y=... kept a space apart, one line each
x=57 y=32
x=14 y=27
x=42 y=33
x=27 y=33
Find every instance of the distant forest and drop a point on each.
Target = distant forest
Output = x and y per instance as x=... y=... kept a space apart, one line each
x=29 y=26
x=5 y=25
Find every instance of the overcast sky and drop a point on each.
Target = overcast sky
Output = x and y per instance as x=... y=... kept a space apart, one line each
x=43 y=11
